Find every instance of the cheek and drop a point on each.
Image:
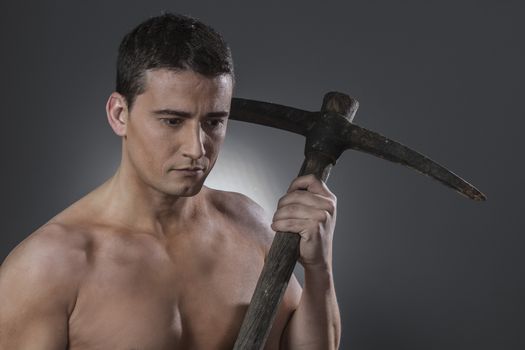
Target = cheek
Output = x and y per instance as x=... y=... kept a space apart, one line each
x=213 y=144
x=150 y=145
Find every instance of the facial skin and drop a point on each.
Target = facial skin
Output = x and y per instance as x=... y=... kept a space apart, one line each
x=178 y=123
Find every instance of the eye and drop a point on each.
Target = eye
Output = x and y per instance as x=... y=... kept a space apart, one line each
x=172 y=121
x=214 y=123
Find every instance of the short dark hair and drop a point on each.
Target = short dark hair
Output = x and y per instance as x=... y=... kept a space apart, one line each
x=170 y=41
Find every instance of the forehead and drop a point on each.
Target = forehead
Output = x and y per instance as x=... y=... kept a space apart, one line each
x=162 y=84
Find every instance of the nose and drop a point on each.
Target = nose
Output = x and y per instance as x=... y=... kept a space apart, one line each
x=193 y=146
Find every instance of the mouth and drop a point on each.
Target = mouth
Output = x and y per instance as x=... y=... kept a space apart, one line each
x=190 y=171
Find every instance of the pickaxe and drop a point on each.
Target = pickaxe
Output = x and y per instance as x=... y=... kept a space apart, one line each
x=328 y=133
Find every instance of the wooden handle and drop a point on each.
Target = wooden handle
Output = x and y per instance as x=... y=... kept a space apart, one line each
x=284 y=251
x=276 y=273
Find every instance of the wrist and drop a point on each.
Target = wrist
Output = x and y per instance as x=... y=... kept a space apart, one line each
x=318 y=275
x=324 y=267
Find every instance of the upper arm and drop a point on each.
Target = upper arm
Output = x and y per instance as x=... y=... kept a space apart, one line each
x=38 y=283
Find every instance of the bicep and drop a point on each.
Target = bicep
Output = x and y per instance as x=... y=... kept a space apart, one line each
x=288 y=304
x=33 y=330
x=34 y=302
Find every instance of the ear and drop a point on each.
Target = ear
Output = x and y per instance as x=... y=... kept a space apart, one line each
x=117 y=113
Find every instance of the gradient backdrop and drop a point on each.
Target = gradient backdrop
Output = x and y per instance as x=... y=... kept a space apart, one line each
x=416 y=265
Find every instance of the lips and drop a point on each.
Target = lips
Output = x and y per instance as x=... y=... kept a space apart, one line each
x=191 y=166
x=190 y=171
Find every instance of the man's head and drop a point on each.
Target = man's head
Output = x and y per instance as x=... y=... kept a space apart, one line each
x=170 y=41
x=174 y=88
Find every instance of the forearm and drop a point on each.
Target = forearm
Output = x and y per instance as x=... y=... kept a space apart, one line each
x=316 y=322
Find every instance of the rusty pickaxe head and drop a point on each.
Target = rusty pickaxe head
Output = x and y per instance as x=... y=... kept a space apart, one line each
x=330 y=131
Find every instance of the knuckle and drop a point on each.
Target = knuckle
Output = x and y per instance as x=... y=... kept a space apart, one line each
x=324 y=217
x=327 y=216
x=279 y=225
x=326 y=189
x=292 y=196
x=306 y=180
x=289 y=226
x=332 y=205
x=294 y=208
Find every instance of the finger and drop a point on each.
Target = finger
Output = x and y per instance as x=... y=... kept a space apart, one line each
x=296 y=211
x=308 y=199
x=311 y=184
x=299 y=226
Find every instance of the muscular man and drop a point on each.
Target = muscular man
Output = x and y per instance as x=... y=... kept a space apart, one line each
x=152 y=259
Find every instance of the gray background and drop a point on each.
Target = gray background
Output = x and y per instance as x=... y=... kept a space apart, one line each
x=416 y=265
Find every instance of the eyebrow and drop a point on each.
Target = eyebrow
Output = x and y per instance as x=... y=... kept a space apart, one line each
x=184 y=114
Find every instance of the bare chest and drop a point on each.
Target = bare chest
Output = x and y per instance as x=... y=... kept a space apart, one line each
x=153 y=297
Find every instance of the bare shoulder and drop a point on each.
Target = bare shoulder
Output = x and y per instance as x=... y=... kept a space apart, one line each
x=245 y=212
x=38 y=288
x=51 y=259
x=53 y=245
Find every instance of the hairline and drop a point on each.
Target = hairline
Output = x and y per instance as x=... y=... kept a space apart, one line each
x=142 y=80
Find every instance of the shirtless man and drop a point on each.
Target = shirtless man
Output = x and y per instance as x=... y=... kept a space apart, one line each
x=152 y=259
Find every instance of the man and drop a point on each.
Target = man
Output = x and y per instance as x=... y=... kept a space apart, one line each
x=152 y=259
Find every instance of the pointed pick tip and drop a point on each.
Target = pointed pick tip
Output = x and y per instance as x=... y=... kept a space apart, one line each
x=482 y=198
x=474 y=194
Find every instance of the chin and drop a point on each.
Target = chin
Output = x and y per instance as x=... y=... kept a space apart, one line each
x=191 y=192
x=185 y=191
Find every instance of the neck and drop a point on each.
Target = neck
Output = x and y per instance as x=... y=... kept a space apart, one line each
x=130 y=202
